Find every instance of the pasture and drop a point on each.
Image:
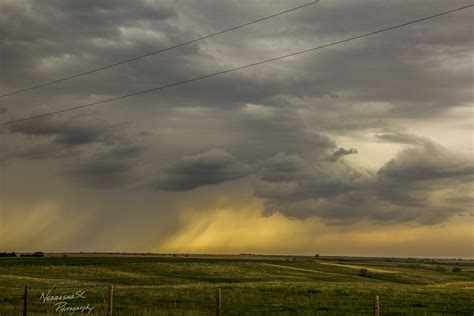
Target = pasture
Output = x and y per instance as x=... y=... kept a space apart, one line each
x=251 y=285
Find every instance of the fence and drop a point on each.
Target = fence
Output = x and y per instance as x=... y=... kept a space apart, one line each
x=109 y=294
x=228 y=300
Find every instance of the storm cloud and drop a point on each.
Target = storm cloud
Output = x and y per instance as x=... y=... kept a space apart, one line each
x=67 y=132
x=108 y=169
x=212 y=167
x=376 y=130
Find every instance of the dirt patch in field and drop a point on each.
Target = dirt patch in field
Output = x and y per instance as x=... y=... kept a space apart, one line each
x=455 y=284
x=290 y=268
x=355 y=267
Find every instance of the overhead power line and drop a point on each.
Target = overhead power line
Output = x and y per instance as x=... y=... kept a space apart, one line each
x=155 y=52
x=236 y=68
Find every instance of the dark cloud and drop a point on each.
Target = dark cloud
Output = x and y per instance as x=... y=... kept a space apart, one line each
x=67 y=132
x=423 y=177
x=267 y=132
x=283 y=168
x=125 y=152
x=37 y=43
x=425 y=164
x=341 y=152
x=109 y=169
x=304 y=187
x=92 y=151
x=74 y=140
x=44 y=151
x=417 y=185
x=212 y=167
x=100 y=168
x=414 y=58
x=425 y=161
x=418 y=175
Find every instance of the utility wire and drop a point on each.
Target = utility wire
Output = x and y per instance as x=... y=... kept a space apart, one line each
x=236 y=68
x=155 y=52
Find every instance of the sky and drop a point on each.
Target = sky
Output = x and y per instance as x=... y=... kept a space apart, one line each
x=360 y=149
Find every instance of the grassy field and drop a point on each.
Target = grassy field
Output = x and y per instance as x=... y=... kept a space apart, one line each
x=167 y=285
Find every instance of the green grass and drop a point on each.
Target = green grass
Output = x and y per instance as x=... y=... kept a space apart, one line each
x=186 y=286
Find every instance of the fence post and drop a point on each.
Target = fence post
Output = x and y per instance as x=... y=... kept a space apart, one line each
x=376 y=305
x=218 y=302
x=25 y=300
x=109 y=300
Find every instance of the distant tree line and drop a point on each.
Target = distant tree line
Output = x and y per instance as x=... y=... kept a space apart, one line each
x=34 y=254
x=14 y=254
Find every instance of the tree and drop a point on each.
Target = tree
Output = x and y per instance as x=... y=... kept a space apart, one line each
x=365 y=273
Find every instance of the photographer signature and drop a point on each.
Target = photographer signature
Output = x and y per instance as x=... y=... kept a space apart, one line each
x=61 y=301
